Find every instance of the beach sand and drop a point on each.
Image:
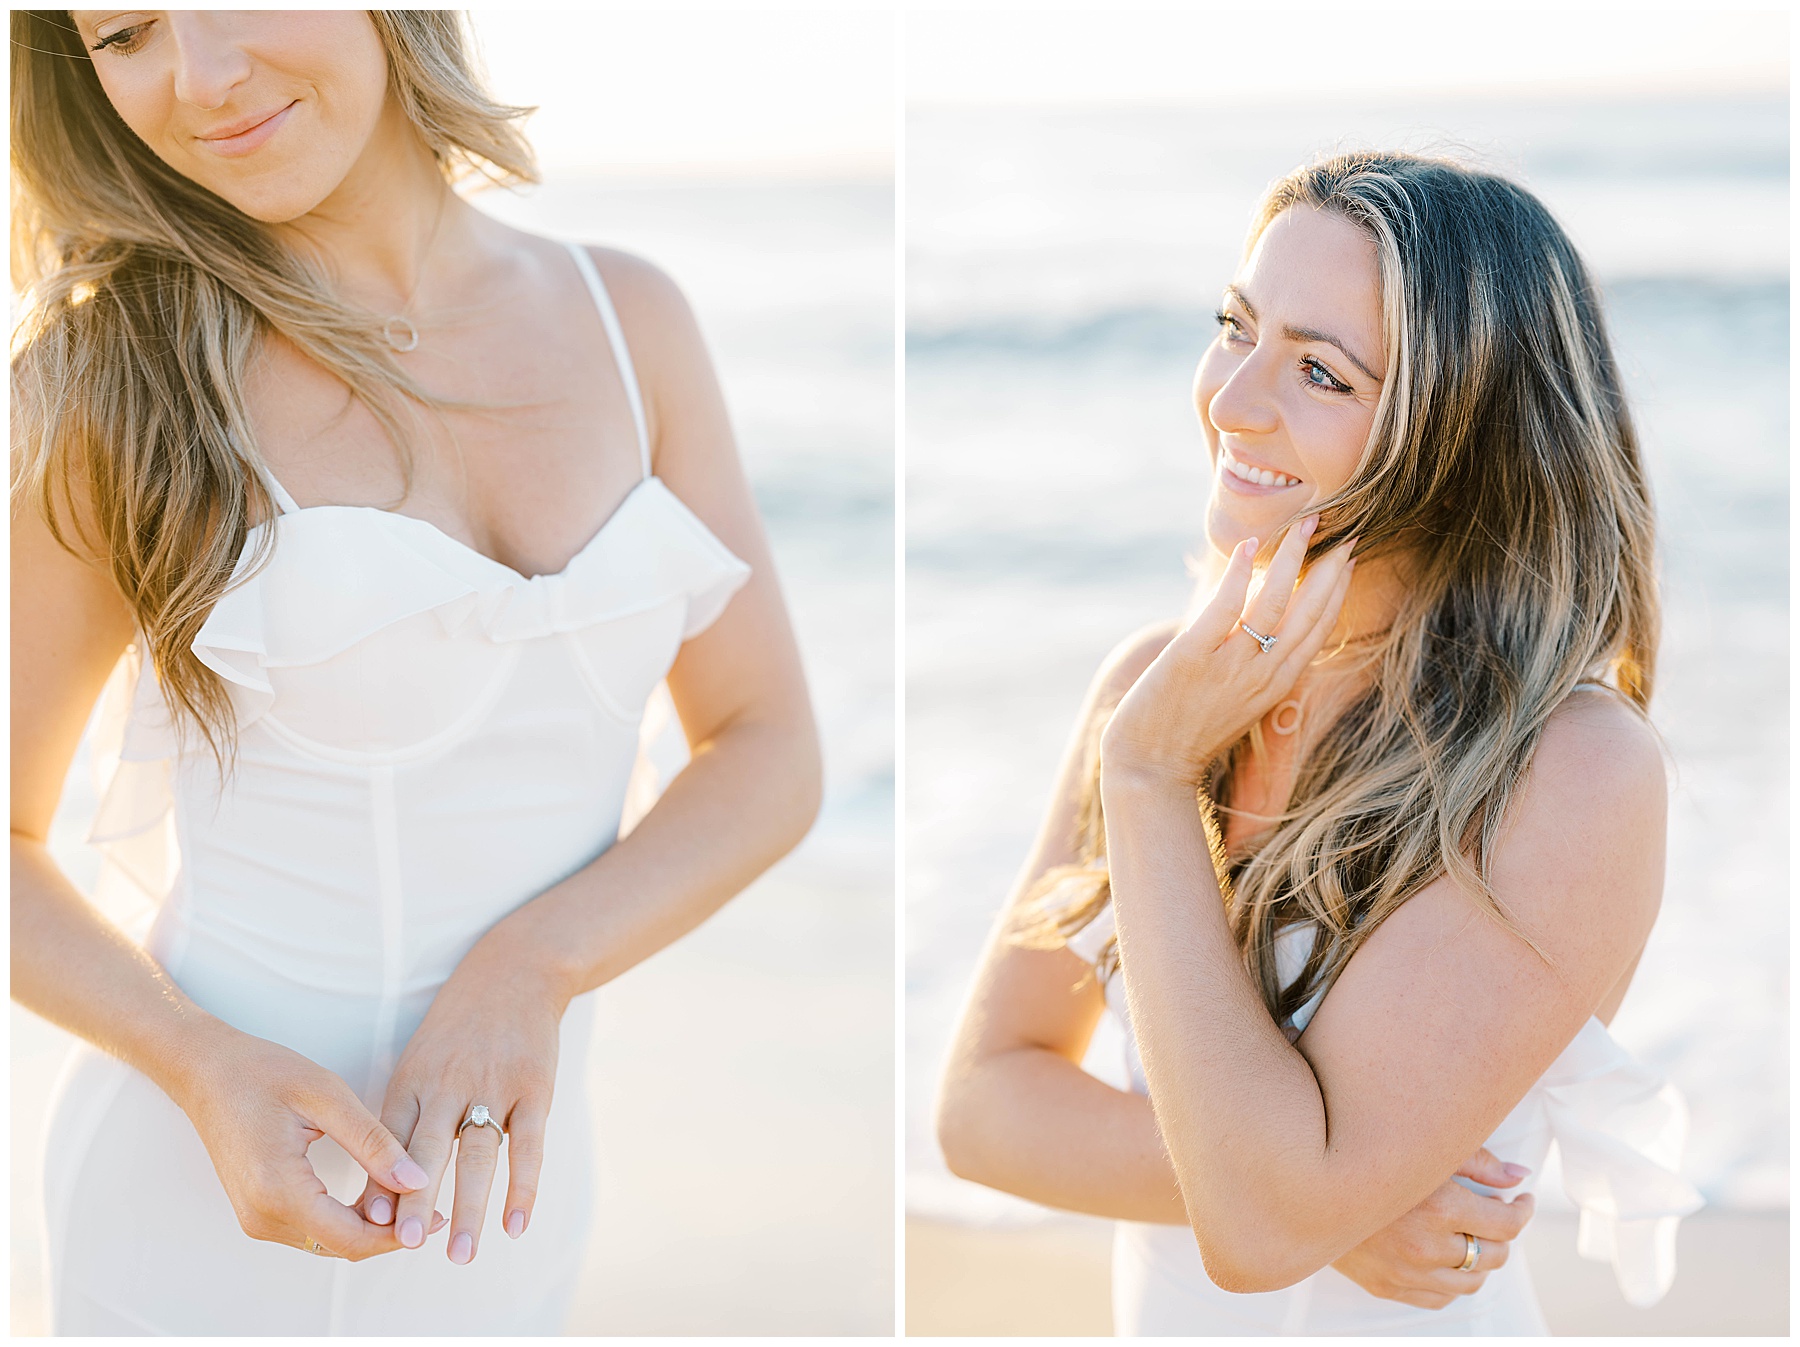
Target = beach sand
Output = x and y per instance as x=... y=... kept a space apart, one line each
x=1053 y=1280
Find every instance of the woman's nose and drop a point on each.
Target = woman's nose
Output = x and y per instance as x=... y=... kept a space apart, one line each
x=1245 y=403
x=209 y=64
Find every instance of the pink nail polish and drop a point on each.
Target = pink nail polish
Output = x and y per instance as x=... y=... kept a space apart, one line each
x=408 y=1174
x=515 y=1223
x=412 y=1232
x=381 y=1211
x=462 y=1248
x=1516 y=1171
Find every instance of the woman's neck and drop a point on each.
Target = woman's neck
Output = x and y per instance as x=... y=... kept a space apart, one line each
x=390 y=226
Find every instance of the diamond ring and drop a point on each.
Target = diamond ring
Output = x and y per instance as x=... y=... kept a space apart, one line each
x=1266 y=642
x=480 y=1117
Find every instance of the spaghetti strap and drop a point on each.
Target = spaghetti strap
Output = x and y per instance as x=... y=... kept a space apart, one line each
x=285 y=502
x=615 y=335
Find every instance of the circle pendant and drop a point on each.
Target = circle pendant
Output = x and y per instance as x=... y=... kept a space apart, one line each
x=405 y=343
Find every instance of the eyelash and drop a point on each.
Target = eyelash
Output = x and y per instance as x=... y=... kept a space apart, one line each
x=124 y=42
x=1307 y=363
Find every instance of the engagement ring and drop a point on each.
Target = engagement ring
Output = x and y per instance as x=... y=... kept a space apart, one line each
x=1266 y=642
x=479 y=1117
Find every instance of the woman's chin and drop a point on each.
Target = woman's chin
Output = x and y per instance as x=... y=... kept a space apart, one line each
x=1226 y=528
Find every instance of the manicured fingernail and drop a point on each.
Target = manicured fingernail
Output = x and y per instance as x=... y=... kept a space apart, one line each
x=438 y=1221
x=412 y=1232
x=1248 y=547
x=515 y=1223
x=408 y=1174
x=1516 y=1171
x=381 y=1211
x=462 y=1248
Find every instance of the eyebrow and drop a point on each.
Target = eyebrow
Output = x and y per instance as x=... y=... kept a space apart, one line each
x=1293 y=333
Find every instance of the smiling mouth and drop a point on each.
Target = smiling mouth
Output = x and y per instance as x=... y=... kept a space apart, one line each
x=245 y=133
x=1255 y=476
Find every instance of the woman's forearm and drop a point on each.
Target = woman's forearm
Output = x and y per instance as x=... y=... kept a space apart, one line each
x=1239 y=1107
x=747 y=797
x=73 y=967
x=1032 y=1123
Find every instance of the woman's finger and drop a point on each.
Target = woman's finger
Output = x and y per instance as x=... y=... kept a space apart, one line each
x=400 y=1115
x=340 y=1230
x=430 y=1145
x=1265 y=607
x=477 y=1157
x=1497 y=1220
x=376 y=1204
x=1310 y=640
x=333 y=1108
x=1219 y=618
x=525 y=1162
x=1309 y=599
x=1487 y=1168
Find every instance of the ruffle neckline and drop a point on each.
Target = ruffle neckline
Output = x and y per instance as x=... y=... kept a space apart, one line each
x=338 y=575
x=345 y=572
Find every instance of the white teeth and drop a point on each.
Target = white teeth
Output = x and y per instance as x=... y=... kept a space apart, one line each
x=1260 y=476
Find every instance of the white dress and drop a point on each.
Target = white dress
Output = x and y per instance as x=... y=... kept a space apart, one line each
x=427 y=740
x=1620 y=1129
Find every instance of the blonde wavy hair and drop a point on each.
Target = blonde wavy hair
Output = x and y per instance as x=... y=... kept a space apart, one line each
x=1503 y=473
x=146 y=296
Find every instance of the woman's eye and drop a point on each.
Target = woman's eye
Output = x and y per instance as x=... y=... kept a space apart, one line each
x=1233 y=330
x=124 y=42
x=1315 y=375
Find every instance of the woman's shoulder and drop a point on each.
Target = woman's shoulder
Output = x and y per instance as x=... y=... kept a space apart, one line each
x=1598 y=743
x=1591 y=814
x=643 y=294
x=1125 y=662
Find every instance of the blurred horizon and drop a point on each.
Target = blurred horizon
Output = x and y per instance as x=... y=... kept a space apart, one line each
x=1165 y=56
x=743 y=101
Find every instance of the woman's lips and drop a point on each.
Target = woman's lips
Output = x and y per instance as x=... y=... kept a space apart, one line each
x=246 y=139
x=1235 y=481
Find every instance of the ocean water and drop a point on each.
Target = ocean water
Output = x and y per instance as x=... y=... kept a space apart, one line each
x=1062 y=268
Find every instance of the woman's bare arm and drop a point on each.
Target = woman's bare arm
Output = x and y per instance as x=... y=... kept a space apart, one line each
x=1016 y=1111
x=256 y=1105
x=1290 y=1154
x=753 y=786
x=69 y=964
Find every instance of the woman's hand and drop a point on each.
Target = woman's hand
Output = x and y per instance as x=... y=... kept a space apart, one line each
x=489 y=1038
x=257 y=1106
x=1213 y=681
x=1416 y=1259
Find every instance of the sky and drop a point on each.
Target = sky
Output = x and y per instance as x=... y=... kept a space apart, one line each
x=1205 y=53
x=634 y=92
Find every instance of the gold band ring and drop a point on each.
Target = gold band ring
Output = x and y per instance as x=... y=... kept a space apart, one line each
x=1472 y=1256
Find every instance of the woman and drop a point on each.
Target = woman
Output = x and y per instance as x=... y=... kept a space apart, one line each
x=400 y=516
x=1428 y=847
